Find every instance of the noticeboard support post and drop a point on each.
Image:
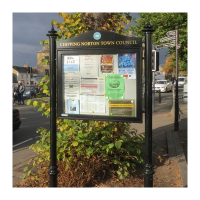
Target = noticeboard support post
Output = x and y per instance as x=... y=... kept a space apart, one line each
x=53 y=157
x=148 y=168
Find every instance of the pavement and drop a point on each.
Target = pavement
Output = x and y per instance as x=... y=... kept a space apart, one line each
x=167 y=142
x=172 y=144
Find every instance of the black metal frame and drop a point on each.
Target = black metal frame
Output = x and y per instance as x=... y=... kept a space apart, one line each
x=101 y=51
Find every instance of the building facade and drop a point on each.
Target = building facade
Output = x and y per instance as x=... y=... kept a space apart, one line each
x=21 y=74
x=42 y=69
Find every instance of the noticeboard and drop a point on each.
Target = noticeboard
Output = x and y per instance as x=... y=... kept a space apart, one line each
x=99 y=76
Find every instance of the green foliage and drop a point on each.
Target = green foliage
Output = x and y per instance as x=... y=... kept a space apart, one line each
x=74 y=24
x=76 y=139
x=162 y=23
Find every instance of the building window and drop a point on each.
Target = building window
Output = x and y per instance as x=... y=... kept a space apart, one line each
x=46 y=71
x=46 y=57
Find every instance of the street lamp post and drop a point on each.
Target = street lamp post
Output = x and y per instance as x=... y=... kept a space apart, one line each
x=148 y=171
x=53 y=156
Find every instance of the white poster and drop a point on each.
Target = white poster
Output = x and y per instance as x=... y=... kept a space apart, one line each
x=71 y=63
x=92 y=103
x=89 y=66
x=72 y=86
x=92 y=86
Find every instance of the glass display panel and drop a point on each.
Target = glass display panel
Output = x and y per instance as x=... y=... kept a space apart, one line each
x=103 y=85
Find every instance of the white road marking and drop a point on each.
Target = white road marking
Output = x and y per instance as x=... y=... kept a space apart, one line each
x=25 y=141
x=22 y=142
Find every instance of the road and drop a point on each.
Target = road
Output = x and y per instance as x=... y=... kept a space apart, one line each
x=31 y=120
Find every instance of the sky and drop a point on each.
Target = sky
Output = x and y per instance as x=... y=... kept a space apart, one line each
x=30 y=28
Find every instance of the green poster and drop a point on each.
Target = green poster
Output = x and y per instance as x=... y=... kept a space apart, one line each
x=114 y=86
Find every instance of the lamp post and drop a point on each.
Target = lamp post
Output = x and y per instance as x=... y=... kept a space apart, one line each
x=148 y=171
x=53 y=156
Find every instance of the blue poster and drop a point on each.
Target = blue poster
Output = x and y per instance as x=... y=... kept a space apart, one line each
x=71 y=63
x=73 y=106
x=126 y=65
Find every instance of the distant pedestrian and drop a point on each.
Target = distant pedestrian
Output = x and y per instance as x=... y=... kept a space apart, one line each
x=20 y=90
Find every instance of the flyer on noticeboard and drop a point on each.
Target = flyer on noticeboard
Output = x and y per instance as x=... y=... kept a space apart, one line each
x=106 y=63
x=92 y=103
x=114 y=86
x=71 y=63
x=72 y=86
x=88 y=65
x=72 y=106
x=126 y=65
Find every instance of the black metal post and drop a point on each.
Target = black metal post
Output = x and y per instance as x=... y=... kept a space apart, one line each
x=176 y=122
x=148 y=171
x=159 y=96
x=53 y=156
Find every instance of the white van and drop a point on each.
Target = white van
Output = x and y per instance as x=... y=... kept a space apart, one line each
x=181 y=81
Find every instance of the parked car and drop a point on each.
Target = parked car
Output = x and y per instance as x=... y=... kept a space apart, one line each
x=16 y=119
x=163 y=86
x=30 y=92
x=185 y=92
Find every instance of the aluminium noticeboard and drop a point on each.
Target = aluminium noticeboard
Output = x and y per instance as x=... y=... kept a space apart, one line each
x=99 y=77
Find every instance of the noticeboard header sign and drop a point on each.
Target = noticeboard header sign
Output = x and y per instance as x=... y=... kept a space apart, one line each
x=100 y=39
x=99 y=77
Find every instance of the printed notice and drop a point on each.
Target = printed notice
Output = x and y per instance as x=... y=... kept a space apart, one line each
x=72 y=106
x=106 y=62
x=92 y=86
x=92 y=103
x=123 y=107
x=72 y=87
x=71 y=63
x=114 y=86
x=126 y=65
x=89 y=66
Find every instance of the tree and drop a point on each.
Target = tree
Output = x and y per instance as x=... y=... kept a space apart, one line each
x=77 y=23
x=162 y=23
x=170 y=67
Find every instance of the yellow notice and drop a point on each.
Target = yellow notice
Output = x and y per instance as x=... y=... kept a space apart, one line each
x=121 y=105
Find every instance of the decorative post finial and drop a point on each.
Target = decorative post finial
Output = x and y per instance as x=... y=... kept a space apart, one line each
x=52 y=32
x=148 y=27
